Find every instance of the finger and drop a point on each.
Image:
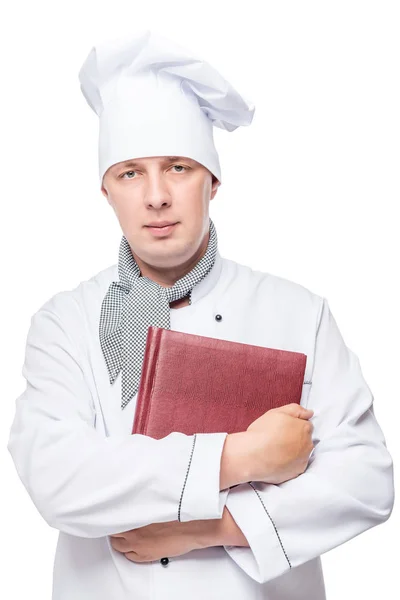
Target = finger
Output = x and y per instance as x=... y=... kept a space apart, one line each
x=133 y=557
x=120 y=544
x=296 y=410
x=304 y=413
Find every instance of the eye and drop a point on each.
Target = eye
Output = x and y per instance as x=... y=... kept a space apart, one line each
x=174 y=166
x=126 y=173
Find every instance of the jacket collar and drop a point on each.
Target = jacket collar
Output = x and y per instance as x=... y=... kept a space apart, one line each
x=209 y=281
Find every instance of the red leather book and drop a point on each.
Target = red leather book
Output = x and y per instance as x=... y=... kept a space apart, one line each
x=196 y=384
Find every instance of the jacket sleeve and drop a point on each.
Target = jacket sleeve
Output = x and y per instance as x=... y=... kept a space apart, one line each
x=88 y=485
x=347 y=487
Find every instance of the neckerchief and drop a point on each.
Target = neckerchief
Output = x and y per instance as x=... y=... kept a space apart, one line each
x=134 y=303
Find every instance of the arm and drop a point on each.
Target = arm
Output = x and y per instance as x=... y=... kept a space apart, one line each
x=347 y=487
x=92 y=486
x=214 y=532
x=229 y=532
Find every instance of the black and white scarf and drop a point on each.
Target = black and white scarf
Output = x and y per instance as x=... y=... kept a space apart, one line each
x=134 y=303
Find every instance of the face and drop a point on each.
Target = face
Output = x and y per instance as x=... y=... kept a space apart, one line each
x=161 y=188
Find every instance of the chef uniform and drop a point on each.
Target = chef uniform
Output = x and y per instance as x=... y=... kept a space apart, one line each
x=71 y=440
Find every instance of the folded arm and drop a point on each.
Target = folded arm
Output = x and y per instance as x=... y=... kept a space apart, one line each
x=88 y=485
x=347 y=487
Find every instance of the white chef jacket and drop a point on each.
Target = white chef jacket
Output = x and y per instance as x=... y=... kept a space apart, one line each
x=89 y=477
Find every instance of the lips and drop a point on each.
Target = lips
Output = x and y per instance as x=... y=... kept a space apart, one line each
x=161 y=224
x=161 y=231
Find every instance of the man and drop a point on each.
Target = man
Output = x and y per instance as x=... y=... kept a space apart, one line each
x=245 y=515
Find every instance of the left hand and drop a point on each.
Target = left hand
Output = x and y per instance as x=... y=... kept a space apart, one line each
x=154 y=541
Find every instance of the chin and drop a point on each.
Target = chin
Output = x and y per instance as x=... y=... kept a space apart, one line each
x=170 y=255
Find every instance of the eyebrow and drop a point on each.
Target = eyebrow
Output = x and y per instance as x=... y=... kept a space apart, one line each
x=132 y=163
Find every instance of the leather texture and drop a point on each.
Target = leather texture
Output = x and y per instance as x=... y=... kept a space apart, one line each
x=197 y=384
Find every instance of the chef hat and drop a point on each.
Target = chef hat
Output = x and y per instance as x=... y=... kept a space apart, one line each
x=155 y=98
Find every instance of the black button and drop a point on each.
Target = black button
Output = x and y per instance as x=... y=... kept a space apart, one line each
x=218 y=317
x=164 y=561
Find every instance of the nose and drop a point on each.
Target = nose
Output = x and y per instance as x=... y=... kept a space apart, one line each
x=157 y=194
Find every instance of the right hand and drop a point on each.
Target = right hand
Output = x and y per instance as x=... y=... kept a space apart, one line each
x=280 y=443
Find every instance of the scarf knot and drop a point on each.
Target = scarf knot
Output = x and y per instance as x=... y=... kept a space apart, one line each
x=136 y=302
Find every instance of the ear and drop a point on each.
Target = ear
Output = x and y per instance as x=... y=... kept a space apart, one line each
x=215 y=186
x=105 y=193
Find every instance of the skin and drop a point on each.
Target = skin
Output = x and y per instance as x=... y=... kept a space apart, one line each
x=174 y=189
x=162 y=189
x=174 y=538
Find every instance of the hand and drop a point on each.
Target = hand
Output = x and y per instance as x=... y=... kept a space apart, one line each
x=154 y=541
x=281 y=443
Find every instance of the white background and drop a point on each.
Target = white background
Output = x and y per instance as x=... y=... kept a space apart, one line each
x=310 y=192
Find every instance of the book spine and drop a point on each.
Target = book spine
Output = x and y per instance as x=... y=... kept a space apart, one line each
x=147 y=379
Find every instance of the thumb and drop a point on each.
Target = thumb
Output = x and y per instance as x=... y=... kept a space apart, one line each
x=305 y=413
x=296 y=410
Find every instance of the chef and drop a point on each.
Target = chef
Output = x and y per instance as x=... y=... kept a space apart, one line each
x=185 y=516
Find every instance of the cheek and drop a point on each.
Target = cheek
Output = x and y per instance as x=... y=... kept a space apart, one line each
x=126 y=208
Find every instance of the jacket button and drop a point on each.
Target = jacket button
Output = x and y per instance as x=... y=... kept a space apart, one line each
x=164 y=561
x=218 y=317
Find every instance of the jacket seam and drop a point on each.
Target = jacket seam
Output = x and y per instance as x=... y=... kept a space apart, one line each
x=318 y=325
x=276 y=530
x=76 y=353
x=187 y=474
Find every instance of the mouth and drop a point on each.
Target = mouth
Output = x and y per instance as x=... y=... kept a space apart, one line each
x=161 y=231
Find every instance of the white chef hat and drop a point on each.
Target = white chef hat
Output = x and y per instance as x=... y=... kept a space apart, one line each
x=155 y=98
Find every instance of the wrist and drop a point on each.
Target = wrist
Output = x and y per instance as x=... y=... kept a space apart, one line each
x=216 y=532
x=205 y=532
x=235 y=463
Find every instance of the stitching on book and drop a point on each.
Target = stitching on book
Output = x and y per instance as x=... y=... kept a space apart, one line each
x=307 y=382
x=276 y=531
x=187 y=473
